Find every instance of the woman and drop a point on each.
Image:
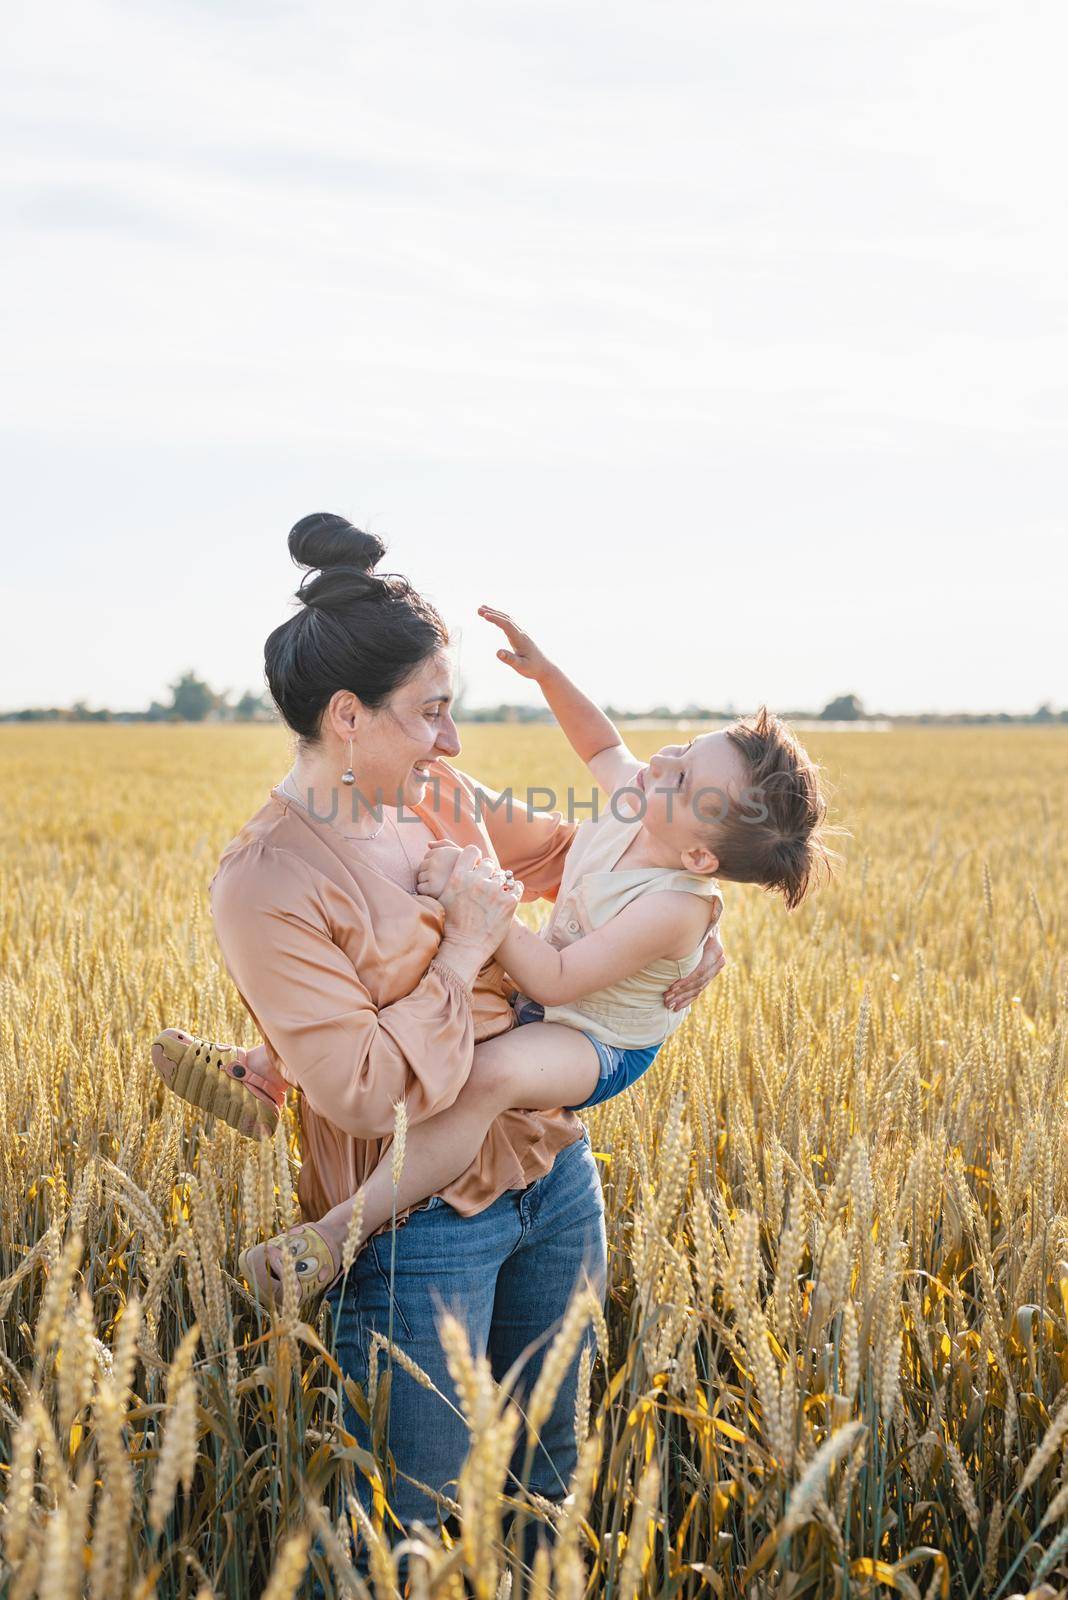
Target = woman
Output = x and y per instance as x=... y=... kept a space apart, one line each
x=367 y=994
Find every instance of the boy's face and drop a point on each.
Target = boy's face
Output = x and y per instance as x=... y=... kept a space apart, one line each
x=686 y=787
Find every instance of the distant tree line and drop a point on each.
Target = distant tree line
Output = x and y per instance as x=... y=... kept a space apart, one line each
x=193 y=700
x=844 y=708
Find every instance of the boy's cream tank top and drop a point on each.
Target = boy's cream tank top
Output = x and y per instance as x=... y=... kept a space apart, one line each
x=631 y=1013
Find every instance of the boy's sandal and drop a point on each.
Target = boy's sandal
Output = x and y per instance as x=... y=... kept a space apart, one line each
x=317 y=1266
x=214 y=1077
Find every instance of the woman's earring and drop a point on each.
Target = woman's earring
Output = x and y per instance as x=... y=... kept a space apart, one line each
x=348 y=777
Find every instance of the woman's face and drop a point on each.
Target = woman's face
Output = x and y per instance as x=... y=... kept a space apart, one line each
x=393 y=746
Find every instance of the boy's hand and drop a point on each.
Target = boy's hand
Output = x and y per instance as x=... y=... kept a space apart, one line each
x=524 y=657
x=435 y=869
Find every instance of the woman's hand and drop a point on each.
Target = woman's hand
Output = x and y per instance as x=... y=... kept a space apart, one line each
x=524 y=657
x=480 y=902
x=711 y=964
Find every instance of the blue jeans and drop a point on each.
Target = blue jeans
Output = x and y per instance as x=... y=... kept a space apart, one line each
x=508 y=1274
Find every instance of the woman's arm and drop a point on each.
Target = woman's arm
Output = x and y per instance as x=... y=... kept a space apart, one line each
x=668 y=924
x=351 y=1059
x=684 y=991
x=533 y=844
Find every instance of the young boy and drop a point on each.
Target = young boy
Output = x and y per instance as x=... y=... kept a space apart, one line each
x=636 y=902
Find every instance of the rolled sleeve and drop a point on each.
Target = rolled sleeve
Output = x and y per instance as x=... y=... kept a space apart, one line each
x=533 y=844
x=351 y=1060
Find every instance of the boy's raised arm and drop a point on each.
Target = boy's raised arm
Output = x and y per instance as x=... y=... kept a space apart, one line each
x=594 y=738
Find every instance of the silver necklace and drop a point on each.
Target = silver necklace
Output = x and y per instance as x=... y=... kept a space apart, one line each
x=352 y=838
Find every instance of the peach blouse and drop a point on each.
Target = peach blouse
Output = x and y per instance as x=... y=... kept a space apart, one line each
x=335 y=963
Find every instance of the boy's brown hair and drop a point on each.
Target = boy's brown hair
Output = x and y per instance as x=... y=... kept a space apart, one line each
x=775 y=834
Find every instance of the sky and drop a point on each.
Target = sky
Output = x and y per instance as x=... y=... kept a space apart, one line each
x=725 y=346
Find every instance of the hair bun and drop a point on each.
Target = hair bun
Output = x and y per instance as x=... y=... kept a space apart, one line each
x=324 y=540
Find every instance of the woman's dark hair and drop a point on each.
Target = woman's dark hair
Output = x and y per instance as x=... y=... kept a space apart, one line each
x=355 y=630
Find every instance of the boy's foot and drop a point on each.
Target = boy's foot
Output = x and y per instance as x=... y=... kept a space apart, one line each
x=217 y=1078
x=314 y=1258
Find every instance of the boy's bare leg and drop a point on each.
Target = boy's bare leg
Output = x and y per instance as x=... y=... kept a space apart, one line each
x=537 y=1067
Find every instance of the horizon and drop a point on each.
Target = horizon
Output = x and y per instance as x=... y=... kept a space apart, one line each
x=471 y=711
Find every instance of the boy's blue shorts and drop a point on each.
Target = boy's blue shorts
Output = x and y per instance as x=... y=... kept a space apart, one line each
x=619 y=1068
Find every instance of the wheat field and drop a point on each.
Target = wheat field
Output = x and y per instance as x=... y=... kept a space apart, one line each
x=835 y=1346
